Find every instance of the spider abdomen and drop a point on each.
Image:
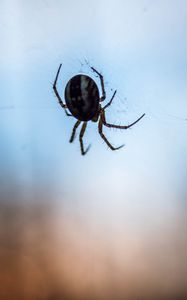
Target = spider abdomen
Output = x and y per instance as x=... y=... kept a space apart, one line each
x=82 y=97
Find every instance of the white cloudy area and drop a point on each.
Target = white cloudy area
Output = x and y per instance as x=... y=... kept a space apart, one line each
x=116 y=214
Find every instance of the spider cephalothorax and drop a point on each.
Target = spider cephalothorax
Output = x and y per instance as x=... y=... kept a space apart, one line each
x=83 y=101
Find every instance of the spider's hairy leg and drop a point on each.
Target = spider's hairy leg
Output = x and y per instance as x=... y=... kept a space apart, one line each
x=118 y=126
x=64 y=106
x=102 y=83
x=83 y=152
x=74 y=131
x=100 y=128
x=108 y=104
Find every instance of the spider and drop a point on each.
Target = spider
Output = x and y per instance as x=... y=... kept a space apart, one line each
x=84 y=103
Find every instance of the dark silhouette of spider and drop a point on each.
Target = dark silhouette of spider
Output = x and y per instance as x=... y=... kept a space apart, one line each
x=83 y=101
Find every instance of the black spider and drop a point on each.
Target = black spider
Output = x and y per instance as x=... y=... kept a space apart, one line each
x=83 y=101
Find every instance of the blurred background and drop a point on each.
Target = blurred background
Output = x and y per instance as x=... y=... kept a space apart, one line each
x=109 y=225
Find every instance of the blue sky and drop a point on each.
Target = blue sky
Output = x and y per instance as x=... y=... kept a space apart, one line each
x=141 y=49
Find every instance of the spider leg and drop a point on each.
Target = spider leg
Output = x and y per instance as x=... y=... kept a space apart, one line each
x=57 y=94
x=100 y=128
x=108 y=104
x=118 y=126
x=102 y=84
x=74 y=131
x=81 y=139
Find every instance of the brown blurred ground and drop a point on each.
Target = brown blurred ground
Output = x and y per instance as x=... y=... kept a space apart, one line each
x=50 y=256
